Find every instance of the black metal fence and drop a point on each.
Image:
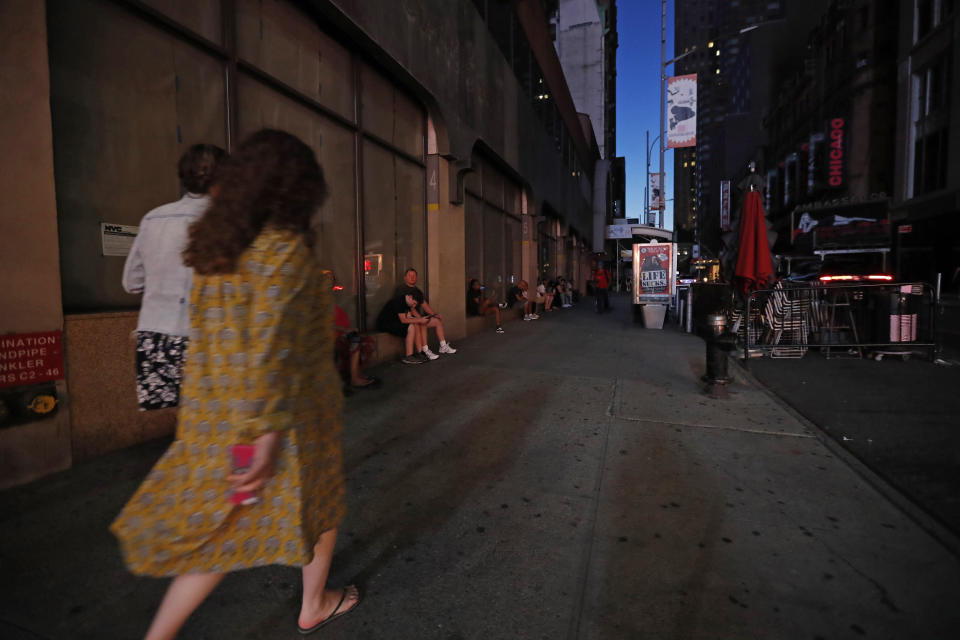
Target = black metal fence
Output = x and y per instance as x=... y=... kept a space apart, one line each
x=856 y=319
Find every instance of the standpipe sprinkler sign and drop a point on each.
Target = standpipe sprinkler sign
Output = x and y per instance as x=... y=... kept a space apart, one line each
x=28 y=358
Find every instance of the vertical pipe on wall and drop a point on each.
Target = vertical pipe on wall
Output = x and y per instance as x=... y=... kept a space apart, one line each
x=228 y=25
x=358 y=195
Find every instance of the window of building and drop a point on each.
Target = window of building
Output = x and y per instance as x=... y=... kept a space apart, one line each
x=122 y=121
x=930 y=14
x=863 y=18
x=930 y=108
x=260 y=106
x=521 y=59
x=120 y=124
x=547 y=249
x=499 y=22
x=492 y=228
x=924 y=18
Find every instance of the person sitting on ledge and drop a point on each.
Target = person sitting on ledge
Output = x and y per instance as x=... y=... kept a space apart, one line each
x=399 y=317
x=434 y=319
x=518 y=294
x=477 y=305
x=351 y=350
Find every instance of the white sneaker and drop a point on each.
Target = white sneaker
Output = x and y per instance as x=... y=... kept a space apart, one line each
x=499 y=329
x=430 y=354
x=527 y=318
x=446 y=348
x=534 y=316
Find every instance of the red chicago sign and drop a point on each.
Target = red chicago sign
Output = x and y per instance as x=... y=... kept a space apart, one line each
x=836 y=152
x=26 y=358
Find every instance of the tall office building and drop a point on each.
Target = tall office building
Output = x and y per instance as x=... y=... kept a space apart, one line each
x=585 y=37
x=736 y=48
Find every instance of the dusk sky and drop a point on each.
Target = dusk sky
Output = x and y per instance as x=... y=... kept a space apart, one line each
x=638 y=95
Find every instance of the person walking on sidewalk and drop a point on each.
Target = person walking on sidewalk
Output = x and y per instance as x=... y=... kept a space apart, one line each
x=566 y=293
x=477 y=305
x=155 y=268
x=601 y=282
x=435 y=320
x=260 y=372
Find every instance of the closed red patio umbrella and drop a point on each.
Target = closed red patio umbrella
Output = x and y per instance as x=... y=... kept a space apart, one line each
x=754 y=267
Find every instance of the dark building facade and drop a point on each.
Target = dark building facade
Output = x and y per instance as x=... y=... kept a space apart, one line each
x=831 y=150
x=925 y=213
x=445 y=127
x=608 y=15
x=738 y=49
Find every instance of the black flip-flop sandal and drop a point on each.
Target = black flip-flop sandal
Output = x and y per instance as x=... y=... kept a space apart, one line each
x=333 y=616
x=372 y=383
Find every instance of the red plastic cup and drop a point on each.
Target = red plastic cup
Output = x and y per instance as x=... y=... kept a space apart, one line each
x=242 y=456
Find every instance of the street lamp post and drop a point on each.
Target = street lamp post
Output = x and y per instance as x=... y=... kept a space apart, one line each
x=663 y=82
x=646 y=185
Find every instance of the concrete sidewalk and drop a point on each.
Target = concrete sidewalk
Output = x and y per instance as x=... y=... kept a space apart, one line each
x=565 y=480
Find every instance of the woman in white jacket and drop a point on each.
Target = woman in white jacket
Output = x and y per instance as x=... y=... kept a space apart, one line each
x=155 y=268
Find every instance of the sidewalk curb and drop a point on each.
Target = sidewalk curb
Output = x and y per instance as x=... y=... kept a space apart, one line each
x=948 y=539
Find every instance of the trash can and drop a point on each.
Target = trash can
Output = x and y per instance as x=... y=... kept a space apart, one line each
x=653 y=315
x=903 y=318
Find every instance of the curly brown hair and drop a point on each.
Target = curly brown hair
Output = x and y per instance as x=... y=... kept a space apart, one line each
x=272 y=179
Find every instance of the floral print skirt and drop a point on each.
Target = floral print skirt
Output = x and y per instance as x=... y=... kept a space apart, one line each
x=159 y=369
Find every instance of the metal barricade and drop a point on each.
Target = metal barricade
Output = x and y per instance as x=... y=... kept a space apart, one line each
x=850 y=319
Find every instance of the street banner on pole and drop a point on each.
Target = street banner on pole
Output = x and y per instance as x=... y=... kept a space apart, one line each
x=725 y=205
x=656 y=193
x=682 y=111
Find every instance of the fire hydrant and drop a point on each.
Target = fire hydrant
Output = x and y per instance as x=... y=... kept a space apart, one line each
x=719 y=343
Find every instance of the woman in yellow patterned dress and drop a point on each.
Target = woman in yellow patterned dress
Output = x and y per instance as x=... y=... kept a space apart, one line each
x=259 y=371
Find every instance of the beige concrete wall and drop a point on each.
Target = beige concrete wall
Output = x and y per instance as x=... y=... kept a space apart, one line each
x=29 y=248
x=29 y=253
x=104 y=415
x=446 y=259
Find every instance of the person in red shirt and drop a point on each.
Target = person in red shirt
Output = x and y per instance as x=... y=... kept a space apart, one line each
x=601 y=282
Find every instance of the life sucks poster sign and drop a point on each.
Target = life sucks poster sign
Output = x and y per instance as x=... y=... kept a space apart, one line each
x=655 y=264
